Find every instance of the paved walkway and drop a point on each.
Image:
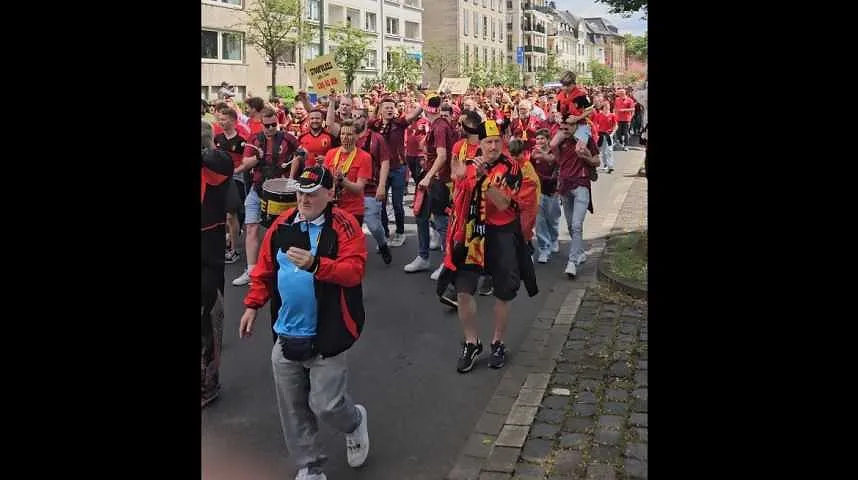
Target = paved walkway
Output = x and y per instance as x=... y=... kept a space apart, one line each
x=575 y=404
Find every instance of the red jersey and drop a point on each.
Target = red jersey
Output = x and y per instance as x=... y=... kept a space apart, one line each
x=316 y=145
x=414 y=135
x=353 y=167
x=605 y=122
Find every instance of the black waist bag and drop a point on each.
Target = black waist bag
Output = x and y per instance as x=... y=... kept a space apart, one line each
x=298 y=349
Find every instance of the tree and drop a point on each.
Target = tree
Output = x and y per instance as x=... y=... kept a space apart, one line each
x=274 y=26
x=440 y=58
x=401 y=70
x=627 y=8
x=602 y=74
x=511 y=76
x=352 y=47
x=551 y=71
x=636 y=46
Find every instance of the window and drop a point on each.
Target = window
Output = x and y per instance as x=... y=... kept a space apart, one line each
x=237 y=3
x=484 y=3
x=493 y=30
x=466 y=55
x=413 y=3
x=222 y=45
x=392 y=26
x=476 y=24
x=288 y=55
x=485 y=55
x=313 y=9
x=412 y=30
x=485 y=26
x=465 y=26
x=493 y=58
x=371 y=59
x=313 y=51
x=492 y=4
x=353 y=17
x=500 y=29
x=370 y=22
x=392 y=56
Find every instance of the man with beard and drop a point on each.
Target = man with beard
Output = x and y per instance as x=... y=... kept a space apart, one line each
x=485 y=237
x=316 y=143
x=392 y=128
x=525 y=124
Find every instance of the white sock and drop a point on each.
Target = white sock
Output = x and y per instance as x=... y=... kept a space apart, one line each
x=250 y=267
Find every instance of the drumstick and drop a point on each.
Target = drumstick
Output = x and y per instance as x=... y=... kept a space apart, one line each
x=263 y=153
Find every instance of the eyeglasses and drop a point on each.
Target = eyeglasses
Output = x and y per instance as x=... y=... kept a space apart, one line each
x=269 y=125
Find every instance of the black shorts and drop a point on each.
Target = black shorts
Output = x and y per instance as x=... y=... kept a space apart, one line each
x=501 y=264
x=234 y=200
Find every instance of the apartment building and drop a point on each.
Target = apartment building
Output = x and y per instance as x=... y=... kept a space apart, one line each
x=475 y=28
x=610 y=45
x=226 y=56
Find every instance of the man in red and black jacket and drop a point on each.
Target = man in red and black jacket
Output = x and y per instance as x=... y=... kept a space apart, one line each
x=216 y=170
x=311 y=264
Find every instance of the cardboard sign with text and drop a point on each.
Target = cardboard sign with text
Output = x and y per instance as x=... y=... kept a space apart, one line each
x=457 y=86
x=324 y=74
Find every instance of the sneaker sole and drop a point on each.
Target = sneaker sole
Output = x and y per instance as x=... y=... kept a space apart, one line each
x=470 y=367
x=449 y=302
x=496 y=366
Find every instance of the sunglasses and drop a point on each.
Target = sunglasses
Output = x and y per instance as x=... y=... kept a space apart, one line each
x=269 y=125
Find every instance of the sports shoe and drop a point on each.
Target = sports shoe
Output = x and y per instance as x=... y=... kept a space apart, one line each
x=571 y=270
x=357 y=442
x=498 y=356
x=242 y=280
x=486 y=286
x=542 y=258
x=231 y=256
x=470 y=352
x=397 y=240
x=434 y=240
x=384 y=250
x=555 y=247
x=418 y=265
x=304 y=474
x=450 y=298
x=437 y=273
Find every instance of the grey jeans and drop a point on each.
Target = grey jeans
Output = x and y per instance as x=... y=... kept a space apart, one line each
x=575 y=205
x=308 y=391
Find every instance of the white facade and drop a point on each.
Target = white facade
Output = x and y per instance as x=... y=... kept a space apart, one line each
x=227 y=57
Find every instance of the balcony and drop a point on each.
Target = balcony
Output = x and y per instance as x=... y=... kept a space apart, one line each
x=531 y=48
x=528 y=27
x=529 y=6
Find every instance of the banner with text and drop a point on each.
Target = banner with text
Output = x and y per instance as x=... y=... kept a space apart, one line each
x=457 y=86
x=324 y=74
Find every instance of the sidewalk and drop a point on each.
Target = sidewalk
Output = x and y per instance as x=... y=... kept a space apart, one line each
x=573 y=402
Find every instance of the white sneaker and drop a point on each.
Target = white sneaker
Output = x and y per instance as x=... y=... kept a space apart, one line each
x=357 y=442
x=242 y=280
x=434 y=240
x=304 y=474
x=543 y=257
x=571 y=270
x=397 y=240
x=555 y=247
x=418 y=265
x=437 y=273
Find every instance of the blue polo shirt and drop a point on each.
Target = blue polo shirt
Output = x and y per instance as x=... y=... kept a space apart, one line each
x=297 y=316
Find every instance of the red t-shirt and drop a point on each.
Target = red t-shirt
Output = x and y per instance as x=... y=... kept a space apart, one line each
x=361 y=167
x=299 y=128
x=414 y=134
x=394 y=135
x=441 y=135
x=604 y=122
x=376 y=146
x=625 y=102
x=255 y=126
x=316 y=145
x=573 y=172
x=526 y=130
x=498 y=171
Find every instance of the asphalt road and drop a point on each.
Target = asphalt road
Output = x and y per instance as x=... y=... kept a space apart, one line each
x=402 y=369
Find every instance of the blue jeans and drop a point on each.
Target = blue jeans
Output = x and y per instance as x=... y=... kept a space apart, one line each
x=547 y=223
x=372 y=218
x=396 y=182
x=575 y=205
x=439 y=222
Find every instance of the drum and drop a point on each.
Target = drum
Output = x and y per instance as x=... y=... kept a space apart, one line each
x=278 y=195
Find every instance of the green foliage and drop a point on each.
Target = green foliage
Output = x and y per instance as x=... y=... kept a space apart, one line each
x=627 y=7
x=441 y=58
x=352 y=47
x=636 y=46
x=401 y=70
x=551 y=71
x=601 y=74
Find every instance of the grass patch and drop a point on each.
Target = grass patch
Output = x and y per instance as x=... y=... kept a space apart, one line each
x=629 y=258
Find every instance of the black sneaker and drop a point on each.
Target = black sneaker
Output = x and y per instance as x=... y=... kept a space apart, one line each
x=498 y=357
x=486 y=287
x=450 y=298
x=231 y=256
x=384 y=250
x=469 y=357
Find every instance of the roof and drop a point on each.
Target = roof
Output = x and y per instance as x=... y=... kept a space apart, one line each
x=601 y=26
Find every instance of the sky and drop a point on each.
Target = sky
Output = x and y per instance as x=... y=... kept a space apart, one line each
x=590 y=8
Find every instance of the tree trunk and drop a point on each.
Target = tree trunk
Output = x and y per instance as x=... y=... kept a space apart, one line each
x=273 y=77
x=300 y=67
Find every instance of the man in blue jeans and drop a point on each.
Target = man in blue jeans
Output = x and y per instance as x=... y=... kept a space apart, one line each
x=573 y=186
x=392 y=128
x=375 y=189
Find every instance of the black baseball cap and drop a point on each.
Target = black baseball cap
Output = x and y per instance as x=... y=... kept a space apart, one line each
x=313 y=178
